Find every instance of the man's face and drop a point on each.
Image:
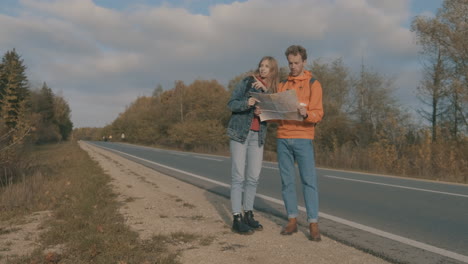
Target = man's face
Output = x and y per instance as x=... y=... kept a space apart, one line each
x=296 y=65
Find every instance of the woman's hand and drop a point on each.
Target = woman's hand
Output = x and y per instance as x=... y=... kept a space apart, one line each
x=252 y=101
x=257 y=111
x=259 y=85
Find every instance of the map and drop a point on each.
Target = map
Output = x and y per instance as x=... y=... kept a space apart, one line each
x=279 y=106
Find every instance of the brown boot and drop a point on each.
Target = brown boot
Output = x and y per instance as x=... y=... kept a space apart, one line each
x=290 y=228
x=314 y=232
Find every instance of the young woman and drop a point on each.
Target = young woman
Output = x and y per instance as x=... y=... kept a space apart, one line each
x=247 y=137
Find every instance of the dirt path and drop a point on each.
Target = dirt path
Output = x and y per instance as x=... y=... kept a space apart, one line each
x=21 y=238
x=159 y=204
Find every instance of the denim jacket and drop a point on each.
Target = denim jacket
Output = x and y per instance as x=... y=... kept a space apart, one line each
x=242 y=114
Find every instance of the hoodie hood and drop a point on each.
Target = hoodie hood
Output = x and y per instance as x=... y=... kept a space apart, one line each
x=306 y=75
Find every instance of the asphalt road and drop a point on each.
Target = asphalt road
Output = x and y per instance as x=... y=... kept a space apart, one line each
x=399 y=219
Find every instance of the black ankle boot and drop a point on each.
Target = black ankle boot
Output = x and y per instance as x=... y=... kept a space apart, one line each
x=250 y=221
x=240 y=227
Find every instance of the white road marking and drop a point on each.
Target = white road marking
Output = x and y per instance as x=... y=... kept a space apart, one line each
x=397 y=186
x=369 y=229
x=378 y=232
x=201 y=157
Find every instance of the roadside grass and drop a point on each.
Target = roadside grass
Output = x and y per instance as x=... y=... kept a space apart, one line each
x=85 y=225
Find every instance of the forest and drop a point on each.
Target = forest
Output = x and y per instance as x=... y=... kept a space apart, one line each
x=28 y=117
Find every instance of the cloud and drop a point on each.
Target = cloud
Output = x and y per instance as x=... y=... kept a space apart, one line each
x=95 y=109
x=89 y=51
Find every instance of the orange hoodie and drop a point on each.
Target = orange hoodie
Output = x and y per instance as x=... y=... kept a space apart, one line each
x=311 y=95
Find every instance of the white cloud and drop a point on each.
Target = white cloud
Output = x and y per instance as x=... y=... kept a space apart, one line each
x=84 y=49
x=397 y=8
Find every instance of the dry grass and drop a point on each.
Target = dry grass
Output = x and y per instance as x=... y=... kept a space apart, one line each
x=443 y=161
x=23 y=197
x=85 y=225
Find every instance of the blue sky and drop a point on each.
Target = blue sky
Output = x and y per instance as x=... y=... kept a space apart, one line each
x=421 y=6
x=195 y=6
x=202 y=6
x=101 y=55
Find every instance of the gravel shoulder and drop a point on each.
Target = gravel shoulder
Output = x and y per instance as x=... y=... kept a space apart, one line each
x=156 y=204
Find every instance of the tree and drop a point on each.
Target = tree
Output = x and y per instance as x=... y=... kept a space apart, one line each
x=208 y=101
x=62 y=117
x=42 y=106
x=158 y=91
x=45 y=104
x=446 y=35
x=204 y=116
x=453 y=36
x=13 y=88
x=433 y=91
x=373 y=104
x=14 y=119
x=179 y=96
x=335 y=78
x=51 y=115
x=140 y=121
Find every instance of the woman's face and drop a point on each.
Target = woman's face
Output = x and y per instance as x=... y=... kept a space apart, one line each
x=264 y=68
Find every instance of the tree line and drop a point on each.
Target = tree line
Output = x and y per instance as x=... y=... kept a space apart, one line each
x=27 y=117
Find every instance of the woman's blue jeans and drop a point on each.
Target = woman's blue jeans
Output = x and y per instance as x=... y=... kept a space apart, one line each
x=300 y=150
x=246 y=166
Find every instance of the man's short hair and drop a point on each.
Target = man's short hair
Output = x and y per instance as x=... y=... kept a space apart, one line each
x=296 y=49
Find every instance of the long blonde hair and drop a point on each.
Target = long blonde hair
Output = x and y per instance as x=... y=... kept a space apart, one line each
x=273 y=78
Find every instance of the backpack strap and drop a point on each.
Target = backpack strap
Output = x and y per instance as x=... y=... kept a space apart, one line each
x=311 y=81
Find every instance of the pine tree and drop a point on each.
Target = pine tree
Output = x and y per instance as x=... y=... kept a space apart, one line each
x=13 y=88
x=62 y=117
x=46 y=104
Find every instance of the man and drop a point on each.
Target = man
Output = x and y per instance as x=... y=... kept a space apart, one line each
x=295 y=142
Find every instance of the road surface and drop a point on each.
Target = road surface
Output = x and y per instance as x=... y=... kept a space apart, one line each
x=399 y=219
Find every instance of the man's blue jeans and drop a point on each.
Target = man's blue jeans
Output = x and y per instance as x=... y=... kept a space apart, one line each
x=246 y=166
x=302 y=151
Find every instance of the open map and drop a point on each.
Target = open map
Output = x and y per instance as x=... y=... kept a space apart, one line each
x=280 y=106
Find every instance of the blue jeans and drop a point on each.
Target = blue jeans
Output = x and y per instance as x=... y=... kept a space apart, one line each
x=302 y=151
x=246 y=166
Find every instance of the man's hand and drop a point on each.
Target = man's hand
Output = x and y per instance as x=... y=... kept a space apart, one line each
x=302 y=110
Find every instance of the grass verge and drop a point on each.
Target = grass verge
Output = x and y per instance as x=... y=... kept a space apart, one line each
x=85 y=224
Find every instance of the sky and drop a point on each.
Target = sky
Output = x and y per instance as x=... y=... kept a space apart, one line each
x=101 y=55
